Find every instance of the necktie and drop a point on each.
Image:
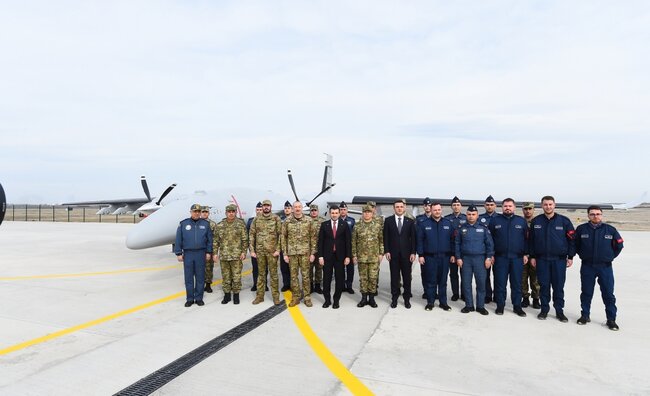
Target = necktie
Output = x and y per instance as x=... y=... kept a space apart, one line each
x=399 y=224
x=334 y=233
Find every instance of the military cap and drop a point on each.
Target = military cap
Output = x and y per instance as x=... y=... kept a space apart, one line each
x=343 y=205
x=489 y=199
x=427 y=201
x=472 y=208
x=367 y=208
x=529 y=205
x=266 y=202
x=205 y=208
x=372 y=203
x=287 y=204
x=230 y=207
x=259 y=205
x=195 y=207
x=455 y=200
x=313 y=207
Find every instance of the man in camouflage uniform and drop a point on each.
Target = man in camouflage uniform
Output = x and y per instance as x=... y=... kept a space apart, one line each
x=367 y=252
x=529 y=271
x=209 y=265
x=229 y=247
x=299 y=237
x=265 y=246
x=258 y=211
x=380 y=221
x=316 y=271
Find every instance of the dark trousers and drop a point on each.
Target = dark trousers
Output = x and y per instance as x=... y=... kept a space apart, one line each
x=400 y=270
x=285 y=271
x=349 y=276
x=194 y=271
x=454 y=279
x=436 y=269
x=335 y=266
x=605 y=275
x=489 y=293
x=505 y=268
x=551 y=273
x=474 y=266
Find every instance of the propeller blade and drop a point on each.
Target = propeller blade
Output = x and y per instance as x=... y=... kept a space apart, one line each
x=293 y=187
x=164 y=194
x=321 y=193
x=3 y=203
x=143 y=181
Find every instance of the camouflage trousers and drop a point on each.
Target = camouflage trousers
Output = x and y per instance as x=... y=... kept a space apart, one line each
x=316 y=273
x=529 y=272
x=368 y=277
x=266 y=262
x=300 y=262
x=209 y=271
x=231 y=275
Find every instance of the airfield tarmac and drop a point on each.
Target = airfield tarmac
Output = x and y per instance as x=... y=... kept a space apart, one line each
x=114 y=316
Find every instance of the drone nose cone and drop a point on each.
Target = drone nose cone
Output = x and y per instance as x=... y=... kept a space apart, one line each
x=136 y=239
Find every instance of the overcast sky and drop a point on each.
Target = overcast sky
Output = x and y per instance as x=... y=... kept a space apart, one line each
x=412 y=98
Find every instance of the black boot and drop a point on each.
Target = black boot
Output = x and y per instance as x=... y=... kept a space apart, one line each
x=371 y=300
x=207 y=288
x=226 y=298
x=364 y=301
x=235 y=298
x=525 y=302
x=536 y=303
x=318 y=289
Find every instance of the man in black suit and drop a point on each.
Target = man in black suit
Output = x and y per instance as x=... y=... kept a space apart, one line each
x=334 y=252
x=399 y=247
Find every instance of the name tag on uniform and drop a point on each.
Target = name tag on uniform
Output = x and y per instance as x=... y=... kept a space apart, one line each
x=584 y=236
x=517 y=226
x=609 y=237
x=427 y=228
x=559 y=228
x=479 y=230
x=445 y=227
x=497 y=226
x=202 y=227
x=537 y=226
x=463 y=221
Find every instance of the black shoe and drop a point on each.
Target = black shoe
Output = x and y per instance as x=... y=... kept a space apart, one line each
x=542 y=315
x=349 y=290
x=482 y=311
x=520 y=312
x=371 y=301
x=583 y=320
x=318 y=289
x=499 y=311
x=561 y=317
x=536 y=303
x=445 y=307
x=188 y=303
x=285 y=288
x=200 y=303
x=428 y=307
x=424 y=296
x=364 y=301
x=407 y=304
x=393 y=304
x=611 y=324
x=467 y=309
x=525 y=302
x=488 y=300
x=254 y=288
x=226 y=298
x=235 y=298
x=207 y=288
x=335 y=305
x=454 y=297
x=326 y=304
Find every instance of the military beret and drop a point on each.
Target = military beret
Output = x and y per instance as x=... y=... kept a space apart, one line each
x=427 y=201
x=472 y=208
x=489 y=199
x=259 y=205
x=455 y=200
x=372 y=203
x=195 y=207
x=230 y=207
x=313 y=207
x=529 y=205
x=287 y=204
x=266 y=202
x=343 y=205
x=367 y=208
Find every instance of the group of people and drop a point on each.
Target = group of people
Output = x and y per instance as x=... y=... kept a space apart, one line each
x=530 y=252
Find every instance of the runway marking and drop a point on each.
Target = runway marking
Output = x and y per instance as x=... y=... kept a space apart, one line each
x=60 y=333
x=163 y=376
x=52 y=276
x=354 y=385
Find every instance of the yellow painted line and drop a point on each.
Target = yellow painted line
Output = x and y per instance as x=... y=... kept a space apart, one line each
x=96 y=322
x=337 y=368
x=52 y=276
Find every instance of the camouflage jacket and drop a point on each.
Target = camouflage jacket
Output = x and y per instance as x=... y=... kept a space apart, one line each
x=230 y=240
x=367 y=241
x=264 y=235
x=299 y=236
x=317 y=222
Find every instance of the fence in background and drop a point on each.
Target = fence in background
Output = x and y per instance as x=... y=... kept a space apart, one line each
x=58 y=213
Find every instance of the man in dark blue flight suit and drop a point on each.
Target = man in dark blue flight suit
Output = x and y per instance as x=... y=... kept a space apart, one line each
x=349 y=269
x=193 y=247
x=426 y=206
x=552 y=247
x=256 y=271
x=474 y=251
x=510 y=235
x=457 y=219
x=597 y=244
x=490 y=211
x=435 y=237
x=284 y=266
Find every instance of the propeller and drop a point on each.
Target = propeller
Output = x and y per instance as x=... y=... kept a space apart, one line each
x=3 y=204
x=293 y=187
x=164 y=194
x=321 y=193
x=143 y=181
